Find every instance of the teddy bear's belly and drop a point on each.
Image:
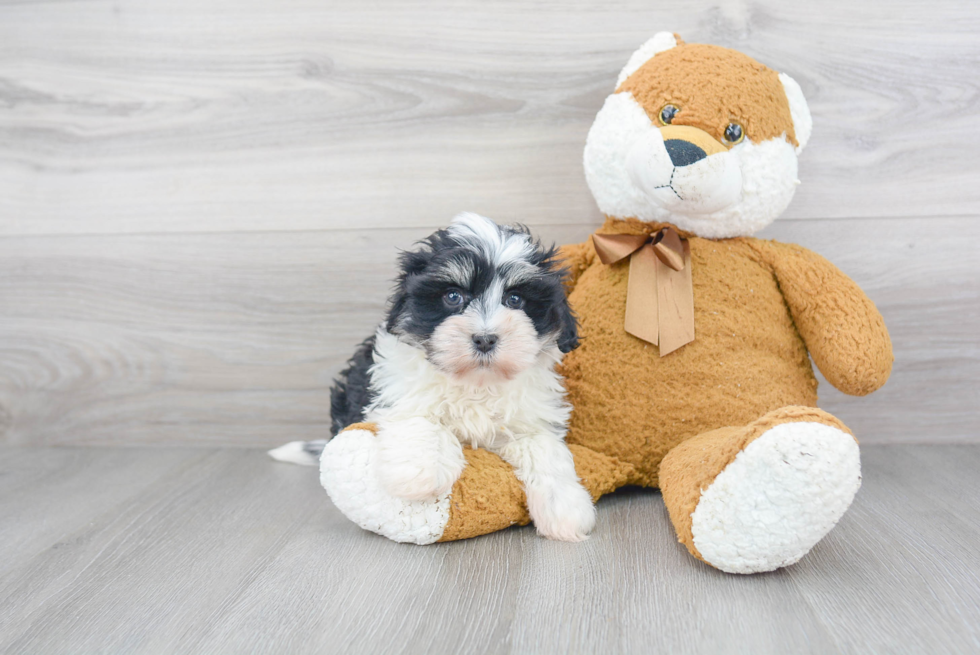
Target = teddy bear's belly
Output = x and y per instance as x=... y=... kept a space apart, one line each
x=747 y=359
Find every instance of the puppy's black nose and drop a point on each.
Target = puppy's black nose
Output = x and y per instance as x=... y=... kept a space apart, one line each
x=484 y=342
x=683 y=153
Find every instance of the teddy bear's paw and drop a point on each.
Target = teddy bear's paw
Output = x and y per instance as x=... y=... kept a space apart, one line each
x=777 y=498
x=348 y=472
x=562 y=511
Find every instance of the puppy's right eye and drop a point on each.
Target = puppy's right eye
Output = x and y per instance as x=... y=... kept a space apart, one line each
x=453 y=298
x=667 y=114
x=514 y=301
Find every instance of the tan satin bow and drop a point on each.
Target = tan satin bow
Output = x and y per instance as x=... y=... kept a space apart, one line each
x=659 y=294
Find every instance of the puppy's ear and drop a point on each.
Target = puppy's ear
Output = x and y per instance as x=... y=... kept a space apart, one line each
x=410 y=263
x=397 y=304
x=568 y=337
x=561 y=312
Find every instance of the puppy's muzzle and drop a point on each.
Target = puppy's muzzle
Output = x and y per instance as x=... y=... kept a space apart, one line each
x=684 y=169
x=485 y=343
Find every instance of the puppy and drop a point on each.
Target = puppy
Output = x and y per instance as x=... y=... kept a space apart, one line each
x=477 y=323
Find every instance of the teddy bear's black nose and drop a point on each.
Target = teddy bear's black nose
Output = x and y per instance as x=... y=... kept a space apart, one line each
x=683 y=153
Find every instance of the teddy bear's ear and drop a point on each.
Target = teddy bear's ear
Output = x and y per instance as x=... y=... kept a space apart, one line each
x=661 y=41
x=798 y=110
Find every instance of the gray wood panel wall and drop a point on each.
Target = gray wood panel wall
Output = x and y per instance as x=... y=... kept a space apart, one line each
x=200 y=201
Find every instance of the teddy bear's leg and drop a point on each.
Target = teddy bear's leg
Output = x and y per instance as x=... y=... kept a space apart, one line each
x=759 y=497
x=487 y=496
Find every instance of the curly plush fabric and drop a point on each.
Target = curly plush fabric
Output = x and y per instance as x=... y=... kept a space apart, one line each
x=842 y=328
x=729 y=86
x=747 y=357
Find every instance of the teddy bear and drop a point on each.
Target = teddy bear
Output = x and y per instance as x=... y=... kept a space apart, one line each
x=694 y=371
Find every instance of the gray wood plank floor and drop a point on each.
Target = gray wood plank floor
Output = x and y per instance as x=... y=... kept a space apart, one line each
x=222 y=551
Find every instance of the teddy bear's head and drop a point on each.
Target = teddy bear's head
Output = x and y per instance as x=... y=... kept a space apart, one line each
x=700 y=136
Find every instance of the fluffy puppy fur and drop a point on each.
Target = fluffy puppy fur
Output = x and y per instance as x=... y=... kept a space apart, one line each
x=477 y=323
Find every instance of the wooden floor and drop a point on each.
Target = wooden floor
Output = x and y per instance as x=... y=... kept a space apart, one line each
x=141 y=550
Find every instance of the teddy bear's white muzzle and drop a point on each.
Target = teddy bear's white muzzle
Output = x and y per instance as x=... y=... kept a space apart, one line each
x=680 y=177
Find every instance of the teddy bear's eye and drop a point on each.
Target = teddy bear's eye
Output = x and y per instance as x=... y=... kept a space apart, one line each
x=667 y=114
x=734 y=134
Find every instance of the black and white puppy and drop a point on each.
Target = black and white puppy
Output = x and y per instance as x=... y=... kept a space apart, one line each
x=477 y=323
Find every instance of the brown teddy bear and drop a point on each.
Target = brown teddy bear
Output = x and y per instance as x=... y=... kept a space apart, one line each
x=693 y=373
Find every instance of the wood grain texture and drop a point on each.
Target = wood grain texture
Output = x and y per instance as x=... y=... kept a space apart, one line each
x=200 y=202
x=224 y=551
x=183 y=116
x=233 y=339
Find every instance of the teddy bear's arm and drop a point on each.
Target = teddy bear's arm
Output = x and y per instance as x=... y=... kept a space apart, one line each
x=577 y=257
x=842 y=328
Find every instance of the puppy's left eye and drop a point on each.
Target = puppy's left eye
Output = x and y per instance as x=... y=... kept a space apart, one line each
x=453 y=298
x=734 y=134
x=514 y=300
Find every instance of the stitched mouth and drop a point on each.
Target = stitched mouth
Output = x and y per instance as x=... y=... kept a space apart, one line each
x=670 y=184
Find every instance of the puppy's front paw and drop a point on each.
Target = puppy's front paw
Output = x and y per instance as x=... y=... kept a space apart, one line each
x=563 y=512
x=418 y=460
x=414 y=479
x=349 y=473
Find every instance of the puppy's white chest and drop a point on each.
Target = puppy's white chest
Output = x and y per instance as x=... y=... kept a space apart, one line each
x=479 y=422
x=489 y=416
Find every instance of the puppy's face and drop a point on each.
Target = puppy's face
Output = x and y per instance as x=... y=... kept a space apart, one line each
x=483 y=301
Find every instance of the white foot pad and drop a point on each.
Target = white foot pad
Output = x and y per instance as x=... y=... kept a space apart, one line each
x=348 y=471
x=778 y=498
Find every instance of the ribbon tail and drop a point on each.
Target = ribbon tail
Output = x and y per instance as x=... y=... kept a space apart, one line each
x=675 y=300
x=670 y=249
x=642 y=311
